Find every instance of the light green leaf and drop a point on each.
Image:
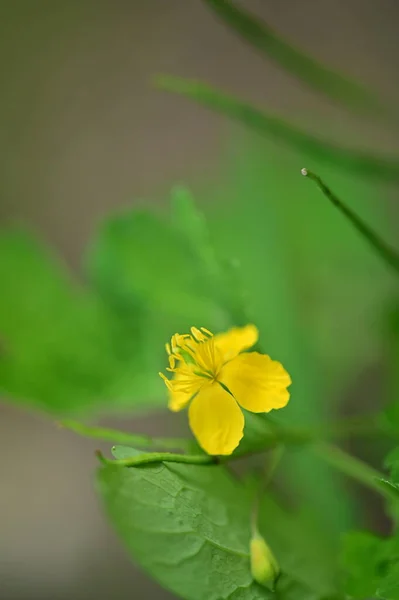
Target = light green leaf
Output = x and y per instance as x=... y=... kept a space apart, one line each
x=137 y=259
x=352 y=160
x=305 y=68
x=191 y=224
x=62 y=349
x=189 y=527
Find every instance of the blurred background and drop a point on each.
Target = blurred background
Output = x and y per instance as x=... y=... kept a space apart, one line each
x=84 y=133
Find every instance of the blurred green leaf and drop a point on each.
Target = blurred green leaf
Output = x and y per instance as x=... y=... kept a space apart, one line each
x=138 y=258
x=62 y=350
x=361 y=557
x=354 y=161
x=388 y=588
x=180 y=524
x=191 y=224
x=371 y=565
x=305 y=68
x=220 y=272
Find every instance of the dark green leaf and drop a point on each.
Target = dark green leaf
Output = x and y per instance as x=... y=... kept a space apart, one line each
x=354 y=161
x=388 y=588
x=308 y=70
x=188 y=527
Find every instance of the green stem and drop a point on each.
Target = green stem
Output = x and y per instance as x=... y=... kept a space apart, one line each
x=156 y=457
x=131 y=439
x=388 y=254
x=355 y=468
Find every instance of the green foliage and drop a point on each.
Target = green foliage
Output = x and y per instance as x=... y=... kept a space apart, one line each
x=308 y=70
x=372 y=566
x=271 y=252
x=69 y=349
x=189 y=528
x=62 y=349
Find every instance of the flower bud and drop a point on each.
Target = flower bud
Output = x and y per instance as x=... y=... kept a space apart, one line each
x=264 y=567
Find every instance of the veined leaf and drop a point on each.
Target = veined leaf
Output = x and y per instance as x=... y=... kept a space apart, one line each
x=189 y=527
x=354 y=161
x=305 y=68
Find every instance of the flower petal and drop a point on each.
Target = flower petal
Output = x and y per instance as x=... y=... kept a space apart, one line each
x=216 y=420
x=235 y=341
x=257 y=382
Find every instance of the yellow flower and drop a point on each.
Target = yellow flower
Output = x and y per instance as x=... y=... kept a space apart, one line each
x=218 y=378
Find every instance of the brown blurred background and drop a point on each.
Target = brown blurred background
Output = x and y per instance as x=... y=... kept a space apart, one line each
x=83 y=132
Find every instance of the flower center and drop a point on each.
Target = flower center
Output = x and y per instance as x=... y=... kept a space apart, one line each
x=196 y=350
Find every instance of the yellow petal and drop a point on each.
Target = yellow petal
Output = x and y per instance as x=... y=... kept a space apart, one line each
x=235 y=341
x=257 y=382
x=216 y=420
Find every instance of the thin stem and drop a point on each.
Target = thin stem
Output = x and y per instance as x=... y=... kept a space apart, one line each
x=131 y=439
x=355 y=468
x=388 y=254
x=156 y=457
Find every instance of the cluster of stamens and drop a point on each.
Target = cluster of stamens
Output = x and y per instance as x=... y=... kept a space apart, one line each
x=190 y=356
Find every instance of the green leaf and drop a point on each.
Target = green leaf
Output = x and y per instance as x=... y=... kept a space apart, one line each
x=180 y=523
x=388 y=588
x=371 y=565
x=138 y=259
x=361 y=556
x=352 y=160
x=62 y=349
x=305 y=68
x=191 y=223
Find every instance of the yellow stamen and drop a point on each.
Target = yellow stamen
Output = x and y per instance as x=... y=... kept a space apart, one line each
x=207 y=331
x=197 y=335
